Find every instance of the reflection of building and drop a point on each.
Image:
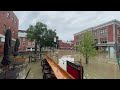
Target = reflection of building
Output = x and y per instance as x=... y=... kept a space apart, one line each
x=66 y=45
x=105 y=36
x=25 y=44
x=8 y=20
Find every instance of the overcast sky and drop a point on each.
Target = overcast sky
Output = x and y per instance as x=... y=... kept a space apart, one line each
x=66 y=23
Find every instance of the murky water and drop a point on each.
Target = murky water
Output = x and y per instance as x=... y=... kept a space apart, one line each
x=99 y=67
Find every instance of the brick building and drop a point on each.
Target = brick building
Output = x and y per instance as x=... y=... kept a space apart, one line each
x=65 y=45
x=25 y=44
x=105 y=36
x=8 y=20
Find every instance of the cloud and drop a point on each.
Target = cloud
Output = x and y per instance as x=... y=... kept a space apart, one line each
x=66 y=23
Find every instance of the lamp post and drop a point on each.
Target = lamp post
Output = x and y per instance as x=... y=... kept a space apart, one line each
x=40 y=45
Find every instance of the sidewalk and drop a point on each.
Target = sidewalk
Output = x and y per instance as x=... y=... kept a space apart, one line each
x=36 y=70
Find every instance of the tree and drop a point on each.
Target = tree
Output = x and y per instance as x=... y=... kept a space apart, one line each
x=42 y=36
x=17 y=44
x=87 y=46
x=31 y=36
x=35 y=33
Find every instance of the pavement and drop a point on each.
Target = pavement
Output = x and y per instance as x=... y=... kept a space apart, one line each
x=36 y=70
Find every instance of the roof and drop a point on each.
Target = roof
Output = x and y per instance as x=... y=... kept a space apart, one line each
x=22 y=31
x=100 y=25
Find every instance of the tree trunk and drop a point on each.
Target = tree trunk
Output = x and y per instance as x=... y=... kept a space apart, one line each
x=86 y=60
x=36 y=47
x=40 y=52
x=35 y=50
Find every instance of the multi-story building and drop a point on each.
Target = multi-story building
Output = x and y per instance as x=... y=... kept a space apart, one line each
x=105 y=35
x=66 y=45
x=8 y=20
x=25 y=44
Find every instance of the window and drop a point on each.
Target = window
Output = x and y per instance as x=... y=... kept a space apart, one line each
x=15 y=22
x=96 y=41
x=5 y=27
x=118 y=39
x=23 y=43
x=0 y=39
x=33 y=43
x=23 y=39
x=103 y=31
x=95 y=33
x=13 y=32
x=12 y=19
x=29 y=43
x=118 y=29
x=8 y=15
x=103 y=40
x=28 y=48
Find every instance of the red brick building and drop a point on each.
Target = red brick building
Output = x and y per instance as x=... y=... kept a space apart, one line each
x=105 y=36
x=25 y=44
x=8 y=20
x=65 y=45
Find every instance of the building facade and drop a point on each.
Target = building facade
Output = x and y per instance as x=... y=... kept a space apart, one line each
x=25 y=44
x=105 y=35
x=8 y=20
x=65 y=45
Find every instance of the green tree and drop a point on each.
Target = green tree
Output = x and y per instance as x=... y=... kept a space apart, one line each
x=42 y=36
x=36 y=33
x=87 y=46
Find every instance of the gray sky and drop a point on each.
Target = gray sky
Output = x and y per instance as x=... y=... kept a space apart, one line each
x=66 y=23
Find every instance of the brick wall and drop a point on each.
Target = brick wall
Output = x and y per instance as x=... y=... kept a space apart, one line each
x=65 y=45
x=10 y=21
x=110 y=33
x=4 y=20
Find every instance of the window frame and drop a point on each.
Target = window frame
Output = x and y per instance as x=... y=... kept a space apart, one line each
x=118 y=39
x=23 y=39
x=23 y=43
x=118 y=30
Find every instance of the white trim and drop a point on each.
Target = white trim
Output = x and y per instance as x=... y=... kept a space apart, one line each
x=101 y=26
x=3 y=36
x=110 y=42
x=13 y=39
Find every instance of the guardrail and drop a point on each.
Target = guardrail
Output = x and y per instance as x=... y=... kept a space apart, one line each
x=58 y=71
